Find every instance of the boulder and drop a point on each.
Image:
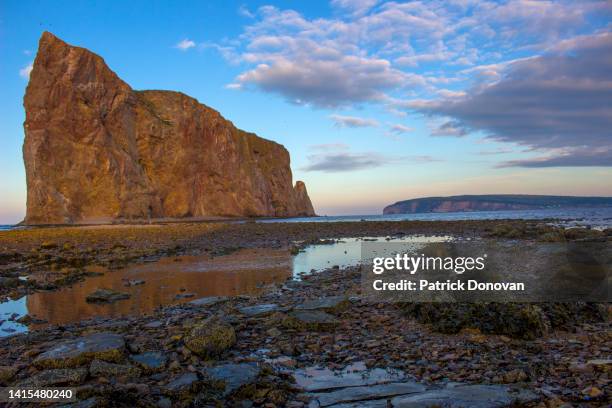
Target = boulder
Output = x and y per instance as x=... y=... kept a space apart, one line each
x=259 y=310
x=209 y=301
x=183 y=385
x=210 y=338
x=310 y=320
x=332 y=304
x=365 y=393
x=103 y=346
x=7 y=373
x=231 y=377
x=99 y=368
x=139 y=154
x=465 y=395
x=151 y=360
x=58 y=376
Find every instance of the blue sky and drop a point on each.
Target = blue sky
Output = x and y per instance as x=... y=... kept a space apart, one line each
x=376 y=101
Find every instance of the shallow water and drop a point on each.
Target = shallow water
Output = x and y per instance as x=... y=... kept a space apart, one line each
x=182 y=279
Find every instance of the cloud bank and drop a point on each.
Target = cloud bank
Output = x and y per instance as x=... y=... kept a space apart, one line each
x=559 y=103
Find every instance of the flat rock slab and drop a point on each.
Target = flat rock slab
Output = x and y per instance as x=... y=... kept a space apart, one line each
x=58 y=376
x=364 y=393
x=151 y=360
x=99 y=368
x=466 y=395
x=310 y=319
x=106 y=296
x=183 y=384
x=259 y=310
x=328 y=304
x=209 y=301
x=103 y=346
x=316 y=379
x=233 y=376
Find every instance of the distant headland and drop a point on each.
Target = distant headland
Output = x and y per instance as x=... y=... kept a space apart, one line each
x=493 y=202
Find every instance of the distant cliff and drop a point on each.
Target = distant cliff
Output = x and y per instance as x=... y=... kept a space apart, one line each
x=97 y=151
x=498 y=202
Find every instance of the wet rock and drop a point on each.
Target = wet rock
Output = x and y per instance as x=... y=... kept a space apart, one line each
x=155 y=324
x=48 y=245
x=230 y=377
x=310 y=320
x=106 y=296
x=103 y=346
x=259 y=310
x=87 y=403
x=604 y=365
x=8 y=282
x=58 y=376
x=209 y=301
x=364 y=393
x=514 y=376
x=183 y=385
x=210 y=338
x=133 y=282
x=100 y=368
x=7 y=373
x=317 y=379
x=332 y=304
x=27 y=319
x=164 y=403
x=150 y=361
x=592 y=392
x=460 y=395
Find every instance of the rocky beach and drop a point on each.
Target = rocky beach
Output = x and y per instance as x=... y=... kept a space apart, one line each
x=306 y=340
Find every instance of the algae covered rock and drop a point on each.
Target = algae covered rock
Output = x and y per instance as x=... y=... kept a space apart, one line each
x=210 y=338
x=103 y=346
x=99 y=368
x=516 y=320
x=58 y=376
x=309 y=320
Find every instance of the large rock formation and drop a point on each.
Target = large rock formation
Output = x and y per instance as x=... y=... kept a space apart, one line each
x=95 y=150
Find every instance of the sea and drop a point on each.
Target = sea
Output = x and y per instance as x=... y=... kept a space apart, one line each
x=598 y=218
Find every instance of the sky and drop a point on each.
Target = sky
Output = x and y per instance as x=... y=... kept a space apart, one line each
x=376 y=101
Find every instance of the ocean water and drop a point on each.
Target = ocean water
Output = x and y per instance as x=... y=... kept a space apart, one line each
x=600 y=218
x=594 y=217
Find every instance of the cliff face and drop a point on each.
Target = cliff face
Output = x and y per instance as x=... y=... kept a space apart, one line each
x=95 y=150
x=499 y=202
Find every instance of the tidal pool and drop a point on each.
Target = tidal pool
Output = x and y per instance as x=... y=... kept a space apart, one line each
x=184 y=278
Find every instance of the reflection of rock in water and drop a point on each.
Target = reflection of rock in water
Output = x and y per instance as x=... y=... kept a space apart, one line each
x=243 y=272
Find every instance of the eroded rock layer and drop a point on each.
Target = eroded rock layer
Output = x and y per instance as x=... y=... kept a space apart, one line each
x=97 y=151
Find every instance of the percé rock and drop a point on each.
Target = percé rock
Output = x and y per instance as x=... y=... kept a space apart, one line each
x=96 y=150
x=493 y=202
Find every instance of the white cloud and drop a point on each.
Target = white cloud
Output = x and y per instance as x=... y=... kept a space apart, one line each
x=370 y=51
x=353 y=121
x=185 y=44
x=245 y=12
x=399 y=129
x=25 y=71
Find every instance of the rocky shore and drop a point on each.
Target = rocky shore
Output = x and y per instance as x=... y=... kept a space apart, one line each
x=312 y=342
